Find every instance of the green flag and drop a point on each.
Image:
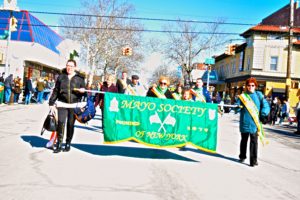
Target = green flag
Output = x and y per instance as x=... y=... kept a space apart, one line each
x=160 y=122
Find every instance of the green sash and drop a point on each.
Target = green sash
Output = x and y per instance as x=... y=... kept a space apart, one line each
x=199 y=97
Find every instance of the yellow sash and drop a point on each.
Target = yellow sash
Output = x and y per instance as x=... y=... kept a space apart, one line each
x=1 y=88
x=158 y=93
x=254 y=112
x=131 y=90
x=176 y=96
x=199 y=97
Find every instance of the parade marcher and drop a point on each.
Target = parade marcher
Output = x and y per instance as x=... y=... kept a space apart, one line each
x=123 y=82
x=28 y=91
x=108 y=86
x=186 y=95
x=161 y=90
x=64 y=91
x=298 y=116
x=200 y=93
x=177 y=94
x=8 y=86
x=254 y=108
x=135 y=87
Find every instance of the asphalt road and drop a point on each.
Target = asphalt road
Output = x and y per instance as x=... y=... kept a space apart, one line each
x=93 y=170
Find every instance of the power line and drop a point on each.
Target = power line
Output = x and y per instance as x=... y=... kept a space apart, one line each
x=126 y=29
x=144 y=18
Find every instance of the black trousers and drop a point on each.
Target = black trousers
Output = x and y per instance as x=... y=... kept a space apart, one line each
x=253 y=146
x=66 y=114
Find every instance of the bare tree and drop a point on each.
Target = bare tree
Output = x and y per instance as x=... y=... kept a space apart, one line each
x=184 y=47
x=164 y=70
x=104 y=31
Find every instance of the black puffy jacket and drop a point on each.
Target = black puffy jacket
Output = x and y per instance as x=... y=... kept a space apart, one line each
x=64 y=88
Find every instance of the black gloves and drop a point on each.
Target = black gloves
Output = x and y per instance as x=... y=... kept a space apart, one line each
x=263 y=119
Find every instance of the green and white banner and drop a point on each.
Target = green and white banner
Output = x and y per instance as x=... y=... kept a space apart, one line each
x=160 y=122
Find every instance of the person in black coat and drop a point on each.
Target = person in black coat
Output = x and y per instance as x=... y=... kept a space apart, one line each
x=28 y=91
x=161 y=90
x=64 y=91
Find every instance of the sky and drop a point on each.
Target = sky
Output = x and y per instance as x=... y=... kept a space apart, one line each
x=234 y=11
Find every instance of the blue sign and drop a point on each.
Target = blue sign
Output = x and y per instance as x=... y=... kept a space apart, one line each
x=210 y=61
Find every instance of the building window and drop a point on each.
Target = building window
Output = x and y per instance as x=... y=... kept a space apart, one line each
x=233 y=67
x=274 y=63
x=227 y=70
x=248 y=63
x=249 y=42
x=241 y=68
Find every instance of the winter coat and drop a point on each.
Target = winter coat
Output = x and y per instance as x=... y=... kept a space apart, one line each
x=28 y=87
x=100 y=97
x=247 y=124
x=64 y=88
x=9 y=82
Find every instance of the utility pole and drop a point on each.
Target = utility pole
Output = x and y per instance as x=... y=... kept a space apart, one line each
x=289 y=51
x=7 y=44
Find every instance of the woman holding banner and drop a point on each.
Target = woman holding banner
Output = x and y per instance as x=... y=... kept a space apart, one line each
x=254 y=107
x=161 y=91
x=64 y=92
x=108 y=86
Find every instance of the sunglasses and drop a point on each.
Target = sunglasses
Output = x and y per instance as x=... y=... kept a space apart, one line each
x=250 y=85
x=163 y=83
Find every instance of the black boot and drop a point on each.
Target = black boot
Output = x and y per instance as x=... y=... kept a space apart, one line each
x=58 y=147
x=60 y=136
x=67 y=147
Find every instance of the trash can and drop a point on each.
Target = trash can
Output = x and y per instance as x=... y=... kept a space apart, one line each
x=1 y=92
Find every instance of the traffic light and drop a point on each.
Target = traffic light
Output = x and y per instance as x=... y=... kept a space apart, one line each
x=13 y=24
x=232 y=49
x=228 y=50
x=127 y=51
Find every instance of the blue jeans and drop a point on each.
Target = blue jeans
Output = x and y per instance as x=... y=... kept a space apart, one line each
x=16 y=97
x=28 y=98
x=7 y=92
x=40 y=97
x=46 y=95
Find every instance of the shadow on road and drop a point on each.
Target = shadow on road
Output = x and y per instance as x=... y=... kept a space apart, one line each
x=212 y=154
x=286 y=132
x=90 y=128
x=35 y=141
x=105 y=150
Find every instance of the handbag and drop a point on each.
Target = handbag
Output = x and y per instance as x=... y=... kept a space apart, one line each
x=50 y=123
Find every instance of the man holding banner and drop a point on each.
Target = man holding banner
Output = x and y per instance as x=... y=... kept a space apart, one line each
x=254 y=107
x=199 y=93
x=135 y=88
